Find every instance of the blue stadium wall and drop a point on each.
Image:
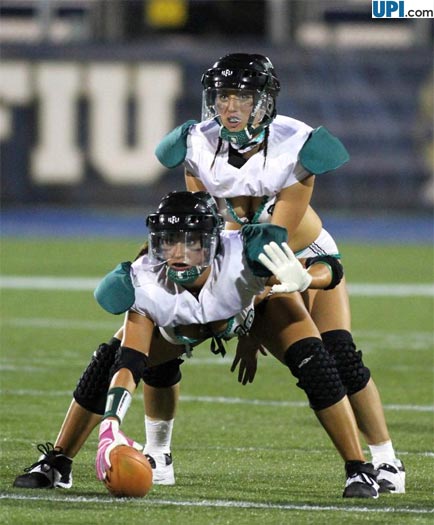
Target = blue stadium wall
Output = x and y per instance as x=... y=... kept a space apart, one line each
x=79 y=124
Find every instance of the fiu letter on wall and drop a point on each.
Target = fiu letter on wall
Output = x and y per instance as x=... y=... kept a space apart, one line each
x=56 y=157
x=155 y=89
x=108 y=91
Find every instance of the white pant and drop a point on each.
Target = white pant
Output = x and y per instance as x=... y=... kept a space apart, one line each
x=324 y=244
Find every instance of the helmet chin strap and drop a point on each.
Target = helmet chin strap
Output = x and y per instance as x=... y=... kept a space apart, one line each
x=246 y=137
x=250 y=135
x=185 y=276
x=258 y=139
x=236 y=137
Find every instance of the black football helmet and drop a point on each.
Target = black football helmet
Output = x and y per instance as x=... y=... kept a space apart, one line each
x=241 y=71
x=189 y=223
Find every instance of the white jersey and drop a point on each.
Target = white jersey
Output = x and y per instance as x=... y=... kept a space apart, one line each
x=228 y=292
x=282 y=169
x=255 y=178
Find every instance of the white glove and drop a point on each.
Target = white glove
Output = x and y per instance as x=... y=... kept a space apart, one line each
x=286 y=267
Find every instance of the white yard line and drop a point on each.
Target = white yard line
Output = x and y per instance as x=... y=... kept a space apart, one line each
x=61 y=324
x=61 y=284
x=80 y=284
x=211 y=399
x=215 y=504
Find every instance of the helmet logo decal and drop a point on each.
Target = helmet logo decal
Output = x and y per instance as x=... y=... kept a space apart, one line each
x=227 y=72
x=173 y=220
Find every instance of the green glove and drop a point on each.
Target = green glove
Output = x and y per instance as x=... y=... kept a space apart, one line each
x=255 y=237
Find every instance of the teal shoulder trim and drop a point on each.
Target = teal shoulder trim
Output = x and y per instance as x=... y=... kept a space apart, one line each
x=322 y=152
x=171 y=151
x=255 y=236
x=115 y=293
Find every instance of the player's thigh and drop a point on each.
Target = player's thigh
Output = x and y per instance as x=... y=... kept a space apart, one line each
x=330 y=309
x=281 y=321
x=162 y=351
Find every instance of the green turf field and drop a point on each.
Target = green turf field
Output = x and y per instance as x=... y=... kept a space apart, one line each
x=243 y=455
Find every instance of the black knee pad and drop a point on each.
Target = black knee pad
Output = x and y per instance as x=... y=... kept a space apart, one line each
x=164 y=375
x=91 y=389
x=354 y=374
x=316 y=372
x=135 y=361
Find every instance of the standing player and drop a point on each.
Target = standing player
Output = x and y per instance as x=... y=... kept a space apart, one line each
x=261 y=167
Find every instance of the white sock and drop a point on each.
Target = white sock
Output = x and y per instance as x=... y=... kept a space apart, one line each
x=382 y=453
x=158 y=436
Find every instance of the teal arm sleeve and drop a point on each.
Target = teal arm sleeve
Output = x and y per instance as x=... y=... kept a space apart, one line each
x=322 y=152
x=254 y=238
x=171 y=151
x=115 y=293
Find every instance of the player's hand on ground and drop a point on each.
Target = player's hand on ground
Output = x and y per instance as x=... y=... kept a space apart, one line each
x=285 y=266
x=246 y=357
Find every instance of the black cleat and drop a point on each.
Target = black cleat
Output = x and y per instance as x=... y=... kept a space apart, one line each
x=361 y=480
x=53 y=469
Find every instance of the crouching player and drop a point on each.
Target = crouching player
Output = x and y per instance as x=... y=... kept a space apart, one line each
x=197 y=282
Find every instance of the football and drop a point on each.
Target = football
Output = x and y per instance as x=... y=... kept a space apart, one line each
x=130 y=474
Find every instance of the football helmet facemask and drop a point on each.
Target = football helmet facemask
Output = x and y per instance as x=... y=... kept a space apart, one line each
x=184 y=234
